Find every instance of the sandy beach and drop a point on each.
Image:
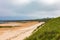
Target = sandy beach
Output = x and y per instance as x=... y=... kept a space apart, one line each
x=18 y=33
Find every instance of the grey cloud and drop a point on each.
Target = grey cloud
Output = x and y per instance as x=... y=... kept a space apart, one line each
x=32 y=10
x=34 y=6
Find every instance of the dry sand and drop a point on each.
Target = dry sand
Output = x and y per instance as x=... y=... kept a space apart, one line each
x=18 y=33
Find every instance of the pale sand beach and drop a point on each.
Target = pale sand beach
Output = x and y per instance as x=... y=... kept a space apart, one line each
x=19 y=33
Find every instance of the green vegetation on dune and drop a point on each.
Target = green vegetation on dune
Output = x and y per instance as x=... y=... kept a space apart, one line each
x=49 y=31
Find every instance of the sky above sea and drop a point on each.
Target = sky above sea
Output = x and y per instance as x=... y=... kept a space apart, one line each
x=28 y=9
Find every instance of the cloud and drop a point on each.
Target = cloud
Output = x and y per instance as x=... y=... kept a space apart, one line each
x=44 y=14
x=20 y=2
x=34 y=6
x=48 y=2
x=28 y=9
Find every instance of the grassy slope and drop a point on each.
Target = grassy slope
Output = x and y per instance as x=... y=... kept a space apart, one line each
x=50 y=31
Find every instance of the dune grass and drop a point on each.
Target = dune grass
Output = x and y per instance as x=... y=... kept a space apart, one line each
x=50 y=31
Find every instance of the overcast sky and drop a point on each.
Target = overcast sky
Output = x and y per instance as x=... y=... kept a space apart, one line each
x=29 y=9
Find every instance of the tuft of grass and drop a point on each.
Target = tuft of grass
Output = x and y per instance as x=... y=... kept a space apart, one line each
x=50 y=31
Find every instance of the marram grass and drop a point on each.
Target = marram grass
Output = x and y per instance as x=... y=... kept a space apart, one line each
x=50 y=31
